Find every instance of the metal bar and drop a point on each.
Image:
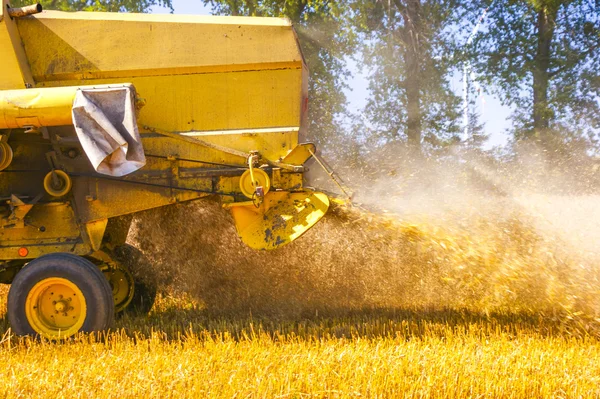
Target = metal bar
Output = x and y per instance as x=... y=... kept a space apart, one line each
x=18 y=12
x=186 y=173
x=144 y=174
x=282 y=165
x=198 y=161
x=95 y=176
x=330 y=173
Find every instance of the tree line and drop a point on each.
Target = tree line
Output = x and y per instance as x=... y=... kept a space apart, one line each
x=540 y=57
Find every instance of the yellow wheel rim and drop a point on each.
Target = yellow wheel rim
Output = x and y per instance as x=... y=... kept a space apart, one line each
x=55 y=308
x=63 y=187
x=122 y=285
x=261 y=178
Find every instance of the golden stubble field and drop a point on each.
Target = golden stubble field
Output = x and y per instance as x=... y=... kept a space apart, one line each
x=364 y=306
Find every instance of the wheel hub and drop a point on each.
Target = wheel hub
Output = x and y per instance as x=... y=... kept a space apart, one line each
x=60 y=306
x=122 y=285
x=55 y=307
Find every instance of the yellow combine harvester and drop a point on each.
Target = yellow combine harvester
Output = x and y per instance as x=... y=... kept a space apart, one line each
x=103 y=115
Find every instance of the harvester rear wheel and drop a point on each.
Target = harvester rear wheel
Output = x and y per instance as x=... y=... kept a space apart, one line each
x=123 y=287
x=144 y=279
x=58 y=295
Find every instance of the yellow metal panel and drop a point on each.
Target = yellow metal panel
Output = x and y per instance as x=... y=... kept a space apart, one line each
x=101 y=198
x=39 y=107
x=280 y=219
x=95 y=45
x=10 y=73
x=272 y=146
x=300 y=154
x=14 y=70
x=49 y=227
x=172 y=18
x=195 y=73
x=215 y=101
x=36 y=250
x=36 y=107
x=95 y=231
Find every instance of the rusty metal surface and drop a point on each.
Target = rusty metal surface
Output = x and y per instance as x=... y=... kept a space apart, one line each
x=17 y=12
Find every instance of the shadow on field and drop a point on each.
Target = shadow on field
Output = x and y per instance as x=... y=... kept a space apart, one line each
x=172 y=323
x=367 y=323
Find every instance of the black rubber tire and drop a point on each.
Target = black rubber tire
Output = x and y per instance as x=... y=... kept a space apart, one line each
x=145 y=281
x=81 y=272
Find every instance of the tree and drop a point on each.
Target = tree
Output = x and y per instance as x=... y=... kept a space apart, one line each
x=407 y=48
x=325 y=41
x=543 y=58
x=98 y=5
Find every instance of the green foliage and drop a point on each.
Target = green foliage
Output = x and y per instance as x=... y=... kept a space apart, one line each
x=98 y=5
x=406 y=49
x=542 y=58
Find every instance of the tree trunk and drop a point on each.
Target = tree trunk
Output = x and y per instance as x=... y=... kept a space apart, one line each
x=412 y=40
x=234 y=7
x=542 y=114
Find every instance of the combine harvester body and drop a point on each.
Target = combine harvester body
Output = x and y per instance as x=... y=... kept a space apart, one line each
x=103 y=115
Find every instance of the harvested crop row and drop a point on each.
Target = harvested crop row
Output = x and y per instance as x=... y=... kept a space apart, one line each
x=398 y=353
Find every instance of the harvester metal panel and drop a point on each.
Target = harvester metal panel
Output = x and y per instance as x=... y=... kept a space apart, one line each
x=69 y=46
x=14 y=71
x=197 y=73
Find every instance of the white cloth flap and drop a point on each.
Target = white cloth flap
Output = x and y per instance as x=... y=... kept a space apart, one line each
x=106 y=125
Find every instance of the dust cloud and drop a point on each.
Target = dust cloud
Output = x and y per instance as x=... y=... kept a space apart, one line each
x=456 y=231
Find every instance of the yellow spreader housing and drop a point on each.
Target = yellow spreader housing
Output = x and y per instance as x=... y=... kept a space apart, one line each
x=219 y=106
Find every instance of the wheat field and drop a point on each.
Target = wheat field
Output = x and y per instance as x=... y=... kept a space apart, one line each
x=363 y=306
x=180 y=351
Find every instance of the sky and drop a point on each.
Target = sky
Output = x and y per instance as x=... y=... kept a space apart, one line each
x=494 y=115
